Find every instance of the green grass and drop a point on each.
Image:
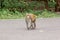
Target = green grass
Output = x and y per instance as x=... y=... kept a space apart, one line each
x=6 y=14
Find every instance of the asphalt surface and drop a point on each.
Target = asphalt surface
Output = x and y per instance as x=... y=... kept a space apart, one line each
x=15 y=29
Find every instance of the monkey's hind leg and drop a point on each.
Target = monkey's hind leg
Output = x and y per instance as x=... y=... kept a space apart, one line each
x=34 y=25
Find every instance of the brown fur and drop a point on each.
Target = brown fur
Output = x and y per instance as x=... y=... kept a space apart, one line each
x=30 y=18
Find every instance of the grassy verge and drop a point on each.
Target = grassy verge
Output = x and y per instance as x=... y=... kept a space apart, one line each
x=6 y=14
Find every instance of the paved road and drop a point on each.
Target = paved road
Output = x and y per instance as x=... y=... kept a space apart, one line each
x=47 y=29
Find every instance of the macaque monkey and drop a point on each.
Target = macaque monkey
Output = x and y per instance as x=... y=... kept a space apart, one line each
x=30 y=21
